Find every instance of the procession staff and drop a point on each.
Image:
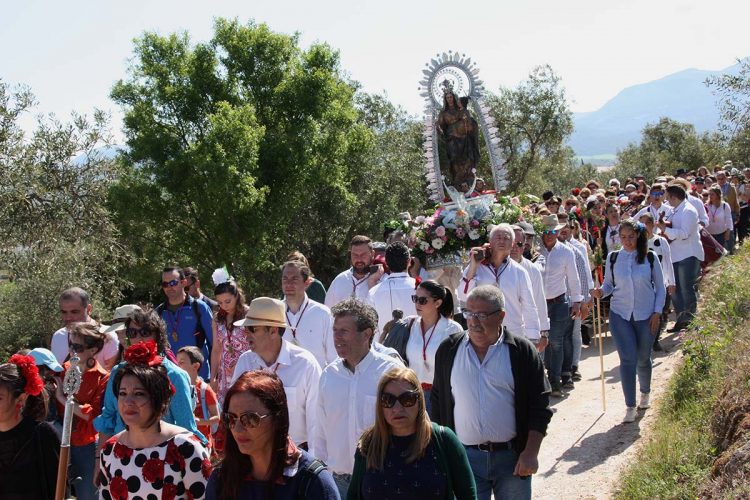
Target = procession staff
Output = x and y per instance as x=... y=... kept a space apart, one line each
x=72 y=383
x=636 y=283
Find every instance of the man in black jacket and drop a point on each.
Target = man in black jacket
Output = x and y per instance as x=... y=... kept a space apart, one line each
x=490 y=388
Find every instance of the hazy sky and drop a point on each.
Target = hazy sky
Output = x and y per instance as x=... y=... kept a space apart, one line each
x=70 y=53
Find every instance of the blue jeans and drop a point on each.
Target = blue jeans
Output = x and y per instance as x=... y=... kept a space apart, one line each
x=82 y=459
x=685 y=298
x=634 y=341
x=428 y=405
x=342 y=483
x=577 y=342
x=559 y=352
x=493 y=473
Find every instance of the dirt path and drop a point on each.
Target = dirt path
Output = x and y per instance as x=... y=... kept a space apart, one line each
x=585 y=449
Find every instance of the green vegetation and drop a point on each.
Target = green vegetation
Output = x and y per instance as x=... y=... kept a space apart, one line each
x=698 y=418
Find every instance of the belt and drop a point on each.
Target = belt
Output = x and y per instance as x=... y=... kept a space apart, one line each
x=490 y=447
x=556 y=300
x=303 y=446
x=426 y=387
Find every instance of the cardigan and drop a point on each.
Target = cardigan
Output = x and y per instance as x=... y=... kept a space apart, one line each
x=452 y=460
x=531 y=393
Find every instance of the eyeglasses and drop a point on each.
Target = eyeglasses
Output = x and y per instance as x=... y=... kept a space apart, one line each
x=552 y=231
x=133 y=333
x=170 y=284
x=519 y=244
x=479 y=316
x=420 y=300
x=73 y=346
x=249 y=420
x=406 y=399
x=657 y=193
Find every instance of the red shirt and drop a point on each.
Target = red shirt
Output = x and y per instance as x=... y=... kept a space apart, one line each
x=198 y=412
x=91 y=397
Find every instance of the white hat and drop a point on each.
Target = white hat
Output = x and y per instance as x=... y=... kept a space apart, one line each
x=118 y=318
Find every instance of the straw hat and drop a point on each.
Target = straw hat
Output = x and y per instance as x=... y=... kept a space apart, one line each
x=552 y=223
x=118 y=318
x=264 y=311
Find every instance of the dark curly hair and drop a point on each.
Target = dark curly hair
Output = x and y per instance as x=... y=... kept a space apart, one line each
x=148 y=319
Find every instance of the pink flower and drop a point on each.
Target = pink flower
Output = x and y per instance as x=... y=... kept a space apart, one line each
x=460 y=233
x=429 y=250
x=474 y=223
x=440 y=231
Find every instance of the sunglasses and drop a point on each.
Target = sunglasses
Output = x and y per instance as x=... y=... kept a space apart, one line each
x=420 y=300
x=133 y=333
x=75 y=347
x=170 y=284
x=406 y=399
x=249 y=420
x=553 y=231
x=519 y=244
x=657 y=193
x=479 y=316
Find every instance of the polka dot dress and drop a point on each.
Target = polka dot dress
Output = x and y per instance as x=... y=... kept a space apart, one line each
x=175 y=469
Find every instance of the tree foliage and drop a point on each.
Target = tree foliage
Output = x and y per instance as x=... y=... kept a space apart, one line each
x=55 y=228
x=534 y=121
x=246 y=147
x=733 y=91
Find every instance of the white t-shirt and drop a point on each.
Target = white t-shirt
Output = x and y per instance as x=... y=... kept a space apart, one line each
x=419 y=348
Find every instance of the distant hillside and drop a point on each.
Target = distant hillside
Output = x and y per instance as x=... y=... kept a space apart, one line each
x=682 y=96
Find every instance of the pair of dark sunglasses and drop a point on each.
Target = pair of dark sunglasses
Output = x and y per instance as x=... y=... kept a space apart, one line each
x=554 y=231
x=133 y=333
x=420 y=300
x=170 y=284
x=75 y=347
x=519 y=244
x=406 y=399
x=249 y=420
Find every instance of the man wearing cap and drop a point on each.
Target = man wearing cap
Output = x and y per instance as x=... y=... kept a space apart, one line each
x=75 y=307
x=188 y=320
x=537 y=286
x=309 y=324
x=521 y=317
x=357 y=280
x=348 y=388
x=265 y=322
x=562 y=289
x=656 y=207
x=529 y=252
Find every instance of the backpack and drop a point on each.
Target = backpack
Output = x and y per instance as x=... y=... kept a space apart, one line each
x=613 y=259
x=204 y=406
x=200 y=337
x=310 y=471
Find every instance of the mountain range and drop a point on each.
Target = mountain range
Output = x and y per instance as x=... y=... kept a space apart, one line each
x=682 y=96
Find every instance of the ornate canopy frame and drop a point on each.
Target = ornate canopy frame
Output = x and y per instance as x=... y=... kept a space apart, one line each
x=460 y=73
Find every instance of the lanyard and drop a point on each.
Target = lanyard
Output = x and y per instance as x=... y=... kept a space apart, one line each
x=499 y=272
x=426 y=344
x=294 y=328
x=174 y=322
x=356 y=283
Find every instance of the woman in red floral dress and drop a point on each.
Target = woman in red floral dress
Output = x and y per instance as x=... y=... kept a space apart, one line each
x=150 y=458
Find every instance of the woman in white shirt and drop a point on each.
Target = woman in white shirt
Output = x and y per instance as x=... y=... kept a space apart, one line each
x=416 y=338
x=719 y=216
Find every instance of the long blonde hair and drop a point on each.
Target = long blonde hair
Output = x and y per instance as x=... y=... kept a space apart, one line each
x=375 y=441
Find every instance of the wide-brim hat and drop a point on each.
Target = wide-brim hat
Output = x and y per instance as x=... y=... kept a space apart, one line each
x=551 y=223
x=119 y=317
x=264 y=311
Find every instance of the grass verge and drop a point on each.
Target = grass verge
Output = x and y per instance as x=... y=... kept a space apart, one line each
x=697 y=422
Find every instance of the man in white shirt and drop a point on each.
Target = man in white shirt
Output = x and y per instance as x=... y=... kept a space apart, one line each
x=264 y=323
x=657 y=208
x=521 y=316
x=490 y=388
x=560 y=276
x=694 y=201
x=309 y=324
x=357 y=280
x=348 y=389
x=75 y=307
x=537 y=286
x=682 y=230
x=395 y=290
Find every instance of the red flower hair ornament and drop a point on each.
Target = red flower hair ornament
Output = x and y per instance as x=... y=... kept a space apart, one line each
x=30 y=372
x=143 y=353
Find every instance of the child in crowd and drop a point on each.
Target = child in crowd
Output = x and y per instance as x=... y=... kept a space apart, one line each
x=190 y=359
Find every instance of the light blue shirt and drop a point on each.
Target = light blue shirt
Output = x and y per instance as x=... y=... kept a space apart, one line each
x=179 y=412
x=639 y=290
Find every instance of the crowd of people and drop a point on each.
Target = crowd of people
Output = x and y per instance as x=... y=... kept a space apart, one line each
x=389 y=384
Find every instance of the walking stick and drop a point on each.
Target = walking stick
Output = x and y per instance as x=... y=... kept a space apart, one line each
x=598 y=310
x=71 y=384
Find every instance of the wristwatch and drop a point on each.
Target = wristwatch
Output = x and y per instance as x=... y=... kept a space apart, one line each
x=544 y=334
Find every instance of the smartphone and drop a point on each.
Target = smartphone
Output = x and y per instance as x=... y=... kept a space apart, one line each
x=374 y=268
x=487 y=253
x=479 y=256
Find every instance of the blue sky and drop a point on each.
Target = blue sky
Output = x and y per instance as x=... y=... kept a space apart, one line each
x=70 y=53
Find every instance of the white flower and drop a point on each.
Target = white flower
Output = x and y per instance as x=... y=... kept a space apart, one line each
x=420 y=219
x=423 y=245
x=437 y=243
x=474 y=234
x=221 y=275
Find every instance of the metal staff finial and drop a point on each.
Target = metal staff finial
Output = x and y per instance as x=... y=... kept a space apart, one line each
x=71 y=385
